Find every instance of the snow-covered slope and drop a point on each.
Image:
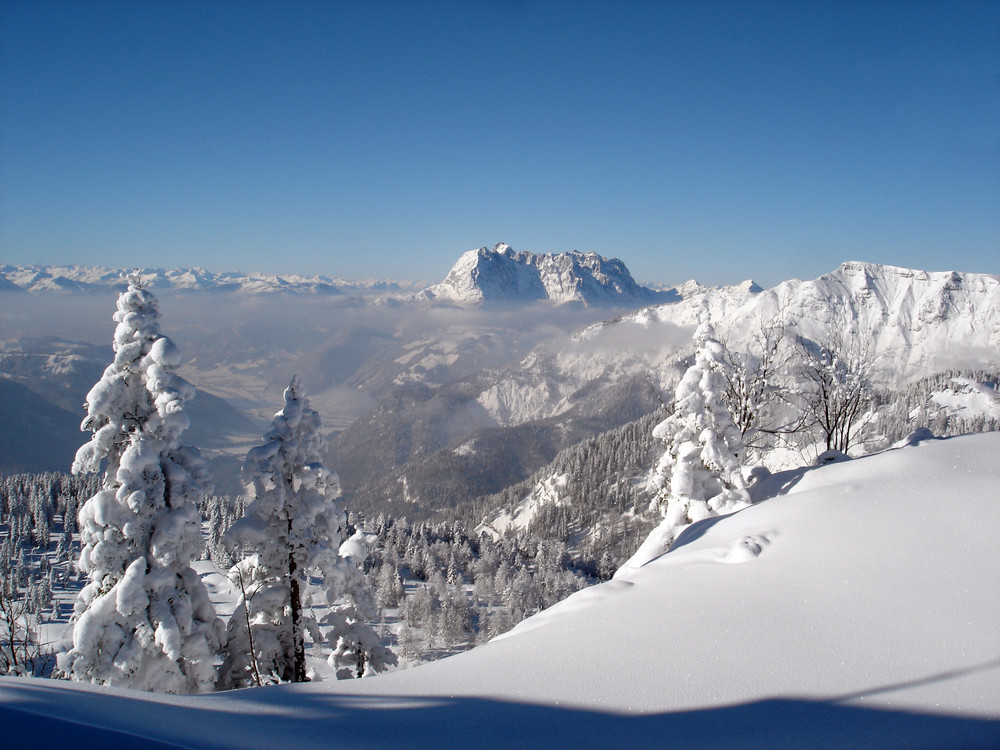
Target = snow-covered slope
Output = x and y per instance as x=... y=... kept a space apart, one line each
x=914 y=321
x=856 y=607
x=967 y=398
x=545 y=492
x=99 y=278
x=504 y=275
x=910 y=322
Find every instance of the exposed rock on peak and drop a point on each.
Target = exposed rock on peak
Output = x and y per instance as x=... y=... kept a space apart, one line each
x=506 y=275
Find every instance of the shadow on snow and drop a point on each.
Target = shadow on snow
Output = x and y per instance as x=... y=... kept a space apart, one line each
x=36 y=715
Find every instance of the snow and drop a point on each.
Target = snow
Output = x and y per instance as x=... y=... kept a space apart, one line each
x=545 y=492
x=467 y=448
x=969 y=399
x=854 y=605
x=41 y=279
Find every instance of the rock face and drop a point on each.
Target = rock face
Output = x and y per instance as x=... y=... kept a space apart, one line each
x=505 y=275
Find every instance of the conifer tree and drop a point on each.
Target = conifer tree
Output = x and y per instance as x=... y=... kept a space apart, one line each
x=144 y=619
x=296 y=530
x=698 y=475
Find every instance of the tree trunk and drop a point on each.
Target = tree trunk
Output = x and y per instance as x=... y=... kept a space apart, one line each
x=298 y=637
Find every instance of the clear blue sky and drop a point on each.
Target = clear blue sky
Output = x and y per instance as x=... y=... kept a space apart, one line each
x=714 y=140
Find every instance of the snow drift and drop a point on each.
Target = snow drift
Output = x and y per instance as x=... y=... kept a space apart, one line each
x=855 y=605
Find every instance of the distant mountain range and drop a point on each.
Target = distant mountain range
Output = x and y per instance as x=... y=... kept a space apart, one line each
x=98 y=278
x=445 y=399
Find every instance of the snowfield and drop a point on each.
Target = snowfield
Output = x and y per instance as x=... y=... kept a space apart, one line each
x=854 y=605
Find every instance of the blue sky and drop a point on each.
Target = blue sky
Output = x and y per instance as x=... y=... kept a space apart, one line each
x=708 y=140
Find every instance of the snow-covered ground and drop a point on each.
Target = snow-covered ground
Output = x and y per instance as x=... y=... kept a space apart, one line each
x=969 y=399
x=857 y=607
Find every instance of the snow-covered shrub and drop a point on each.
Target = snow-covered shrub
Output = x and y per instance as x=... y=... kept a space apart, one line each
x=144 y=619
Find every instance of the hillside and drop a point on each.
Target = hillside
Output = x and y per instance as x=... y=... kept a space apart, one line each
x=43 y=383
x=595 y=493
x=853 y=606
x=35 y=434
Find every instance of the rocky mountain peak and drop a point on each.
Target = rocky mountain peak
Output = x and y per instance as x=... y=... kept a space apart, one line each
x=503 y=274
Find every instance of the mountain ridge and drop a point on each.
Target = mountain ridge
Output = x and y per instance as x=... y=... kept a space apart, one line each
x=59 y=278
x=910 y=321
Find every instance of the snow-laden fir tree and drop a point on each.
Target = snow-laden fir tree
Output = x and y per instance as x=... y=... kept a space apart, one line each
x=699 y=474
x=357 y=651
x=144 y=619
x=296 y=530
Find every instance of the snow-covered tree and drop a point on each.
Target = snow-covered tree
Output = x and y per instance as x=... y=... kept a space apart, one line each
x=757 y=394
x=144 y=619
x=357 y=650
x=837 y=396
x=698 y=475
x=296 y=530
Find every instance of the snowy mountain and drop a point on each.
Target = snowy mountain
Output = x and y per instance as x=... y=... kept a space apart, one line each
x=505 y=275
x=97 y=278
x=853 y=605
x=910 y=323
x=411 y=384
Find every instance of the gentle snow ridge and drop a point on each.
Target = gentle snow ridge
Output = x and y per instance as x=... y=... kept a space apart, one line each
x=856 y=607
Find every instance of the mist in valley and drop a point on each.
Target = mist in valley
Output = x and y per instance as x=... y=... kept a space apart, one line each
x=240 y=351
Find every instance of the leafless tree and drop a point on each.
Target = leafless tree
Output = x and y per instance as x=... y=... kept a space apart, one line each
x=837 y=391
x=757 y=394
x=20 y=653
